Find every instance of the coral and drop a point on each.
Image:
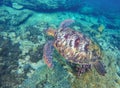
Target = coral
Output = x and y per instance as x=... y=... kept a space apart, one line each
x=101 y=28
x=35 y=33
x=36 y=53
x=46 y=78
x=9 y=55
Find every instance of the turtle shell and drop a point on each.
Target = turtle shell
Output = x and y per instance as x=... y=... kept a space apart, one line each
x=76 y=47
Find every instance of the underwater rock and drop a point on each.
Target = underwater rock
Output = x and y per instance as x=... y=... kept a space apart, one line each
x=9 y=55
x=94 y=26
x=4 y=19
x=36 y=54
x=112 y=26
x=116 y=42
x=18 y=19
x=17 y=6
x=118 y=73
x=118 y=64
x=101 y=28
x=8 y=19
x=36 y=32
x=41 y=5
x=43 y=77
x=86 y=10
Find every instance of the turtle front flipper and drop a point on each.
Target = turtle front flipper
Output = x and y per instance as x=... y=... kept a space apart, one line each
x=66 y=23
x=99 y=67
x=47 y=53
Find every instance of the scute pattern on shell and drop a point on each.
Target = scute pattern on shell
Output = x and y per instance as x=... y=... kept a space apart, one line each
x=76 y=47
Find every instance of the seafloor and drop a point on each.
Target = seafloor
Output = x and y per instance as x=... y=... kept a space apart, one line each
x=22 y=37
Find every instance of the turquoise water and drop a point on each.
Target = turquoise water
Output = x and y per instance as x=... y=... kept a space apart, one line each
x=23 y=35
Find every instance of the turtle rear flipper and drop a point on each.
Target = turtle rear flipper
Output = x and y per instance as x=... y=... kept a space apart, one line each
x=100 y=67
x=47 y=53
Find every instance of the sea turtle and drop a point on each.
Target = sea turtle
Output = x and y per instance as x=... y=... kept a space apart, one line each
x=74 y=47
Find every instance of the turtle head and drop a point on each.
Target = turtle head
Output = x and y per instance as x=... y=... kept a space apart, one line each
x=51 y=32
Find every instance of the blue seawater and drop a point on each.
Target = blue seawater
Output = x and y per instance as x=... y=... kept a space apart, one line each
x=24 y=32
x=105 y=5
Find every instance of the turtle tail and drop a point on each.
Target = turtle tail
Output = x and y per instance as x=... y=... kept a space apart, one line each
x=100 y=67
